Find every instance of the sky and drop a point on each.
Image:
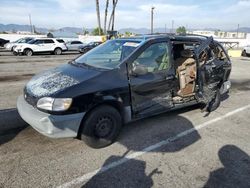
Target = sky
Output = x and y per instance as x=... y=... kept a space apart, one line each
x=220 y=14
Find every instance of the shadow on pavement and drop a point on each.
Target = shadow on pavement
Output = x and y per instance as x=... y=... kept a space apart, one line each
x=236 y=170
x=8 y=135
x=138 y=136
x=10 y=125
x=130 y=174
x=241 y=85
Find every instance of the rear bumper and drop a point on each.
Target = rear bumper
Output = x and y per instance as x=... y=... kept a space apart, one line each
x=225 y=87
x=54 y=126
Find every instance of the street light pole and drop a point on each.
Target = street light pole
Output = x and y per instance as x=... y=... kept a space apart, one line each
x=152 y=20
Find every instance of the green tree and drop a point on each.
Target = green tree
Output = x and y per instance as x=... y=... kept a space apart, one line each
x=128 y=34
x=181 y=30
x=96 y=31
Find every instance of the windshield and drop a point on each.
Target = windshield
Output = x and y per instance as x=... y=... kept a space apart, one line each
x=19 y=40
x=109 y=54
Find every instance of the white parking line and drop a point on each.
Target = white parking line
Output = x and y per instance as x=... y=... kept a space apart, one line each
x=134 y=155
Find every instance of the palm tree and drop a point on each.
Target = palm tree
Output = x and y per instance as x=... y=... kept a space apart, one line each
x=98 y=16
x=105 y=17
x=112 y=16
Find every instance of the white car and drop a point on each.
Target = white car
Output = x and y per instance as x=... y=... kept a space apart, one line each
x=246 y=51
x=11 y=45
x=41 y=45
x=74 y=45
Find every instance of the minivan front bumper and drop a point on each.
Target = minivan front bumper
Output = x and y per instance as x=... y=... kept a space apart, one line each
x=54 y=126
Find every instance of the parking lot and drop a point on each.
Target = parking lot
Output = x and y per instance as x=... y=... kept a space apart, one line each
x=184 y=148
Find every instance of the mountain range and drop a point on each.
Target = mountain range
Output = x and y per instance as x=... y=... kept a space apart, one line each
x=74 y=30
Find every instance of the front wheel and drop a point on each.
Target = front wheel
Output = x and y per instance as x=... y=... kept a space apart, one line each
x=82 y=50
x=28 y=52
x=58 y=51
x=101 y=127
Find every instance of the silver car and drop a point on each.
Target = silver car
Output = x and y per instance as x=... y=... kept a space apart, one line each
x=74 y=45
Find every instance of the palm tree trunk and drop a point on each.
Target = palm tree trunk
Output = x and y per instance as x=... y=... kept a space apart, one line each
x=105 y=17
x=113 y=20
x=112 y=16
x=98 y=16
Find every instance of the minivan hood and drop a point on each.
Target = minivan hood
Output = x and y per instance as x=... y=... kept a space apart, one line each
x=55 y=80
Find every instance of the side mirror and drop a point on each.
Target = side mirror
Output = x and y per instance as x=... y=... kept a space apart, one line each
x=139 y=70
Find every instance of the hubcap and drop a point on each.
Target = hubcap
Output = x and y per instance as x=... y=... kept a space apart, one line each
x=103 y=127
x=29 y=53
x=58 y=52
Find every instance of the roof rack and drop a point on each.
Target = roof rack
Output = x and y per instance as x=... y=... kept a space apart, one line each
x=190 y=34
x=145 y=36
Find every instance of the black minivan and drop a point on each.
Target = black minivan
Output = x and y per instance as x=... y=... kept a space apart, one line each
x=123 y=80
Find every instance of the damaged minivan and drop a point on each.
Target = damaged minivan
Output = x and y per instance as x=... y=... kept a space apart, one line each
x=123 y=80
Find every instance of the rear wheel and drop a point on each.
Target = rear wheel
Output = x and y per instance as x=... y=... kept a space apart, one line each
x=101 y=127
x=244 y=54
x=215 y=103
x=58 y=51
x=28 y=52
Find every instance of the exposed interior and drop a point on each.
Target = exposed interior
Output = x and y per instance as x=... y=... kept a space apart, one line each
x=185 y=67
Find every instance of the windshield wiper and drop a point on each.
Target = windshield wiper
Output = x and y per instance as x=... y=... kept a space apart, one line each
x=85 y=65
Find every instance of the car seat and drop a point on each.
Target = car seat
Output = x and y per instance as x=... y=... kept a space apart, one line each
x=164 y=64
x=186 y=72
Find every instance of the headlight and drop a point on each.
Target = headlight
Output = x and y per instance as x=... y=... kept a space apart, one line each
x=54 y=104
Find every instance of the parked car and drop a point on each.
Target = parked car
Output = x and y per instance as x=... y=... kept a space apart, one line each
x=11 y=45
x=74 y=45
x=3 y=42
x=124 y=80
x=41 y=45
x=89 y=46
x=246 y=51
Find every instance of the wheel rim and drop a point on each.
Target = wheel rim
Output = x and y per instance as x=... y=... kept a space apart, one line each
x=103 y=127
x=29 y=53
x=58 y=52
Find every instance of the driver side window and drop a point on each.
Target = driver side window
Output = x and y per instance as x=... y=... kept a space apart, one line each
x=154 y=58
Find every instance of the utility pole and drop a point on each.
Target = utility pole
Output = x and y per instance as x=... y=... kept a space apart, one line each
x=31 y=27
x=152 y=20
x=238 y=30
x=173 y=26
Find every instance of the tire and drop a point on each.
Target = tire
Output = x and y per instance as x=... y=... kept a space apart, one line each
x=58 y=51
x=15 y=53
x=82 y=50
x=215 y=103
x=101 y=127
x=28 y=52
x=244 y=54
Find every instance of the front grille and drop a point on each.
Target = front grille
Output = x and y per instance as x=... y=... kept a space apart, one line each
x=32 y=100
